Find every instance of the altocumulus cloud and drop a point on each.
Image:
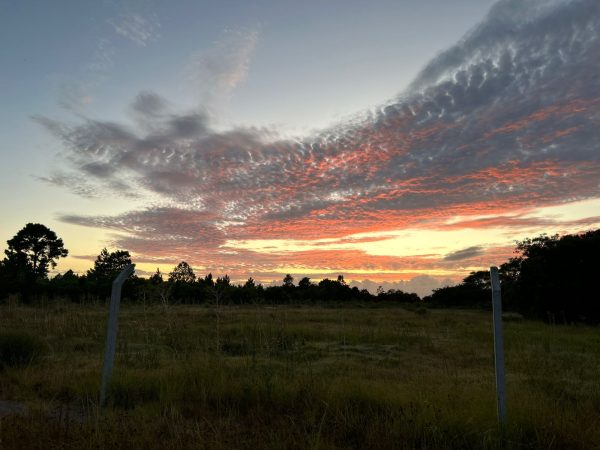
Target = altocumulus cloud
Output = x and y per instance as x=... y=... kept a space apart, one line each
x=505 y=120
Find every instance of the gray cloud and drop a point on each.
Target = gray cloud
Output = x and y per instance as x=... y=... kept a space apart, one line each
x=501 y=33
x=149 y=104
x=465 y=253
x=74 y=183
x=161 y=232
x=506 y=118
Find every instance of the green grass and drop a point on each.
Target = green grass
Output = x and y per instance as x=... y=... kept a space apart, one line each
x=298 y=377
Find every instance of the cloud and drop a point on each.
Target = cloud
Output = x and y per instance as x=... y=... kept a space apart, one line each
x=503 y=122
x=74 y=95
x=136 y=27
x=102 y=60
x=466 y=253
x=161 y=232
x=149 y=104
x=74 y=183
x=77 y=94
x=222 y=67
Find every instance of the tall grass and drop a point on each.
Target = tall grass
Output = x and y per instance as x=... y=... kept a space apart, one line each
x=241 y=377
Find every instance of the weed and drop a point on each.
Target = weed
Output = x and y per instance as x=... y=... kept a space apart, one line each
x=295 y=378
x=19 y=348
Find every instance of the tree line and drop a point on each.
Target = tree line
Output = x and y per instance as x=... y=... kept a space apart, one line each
x=550 y=278
x=35 y=249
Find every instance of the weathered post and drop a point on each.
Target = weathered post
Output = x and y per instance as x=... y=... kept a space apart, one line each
x=498 y=346
x=111 y=334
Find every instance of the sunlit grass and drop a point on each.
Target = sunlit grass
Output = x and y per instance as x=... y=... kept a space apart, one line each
x=292 y=377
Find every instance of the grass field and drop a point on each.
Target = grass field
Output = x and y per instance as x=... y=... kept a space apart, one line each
x=297 y=377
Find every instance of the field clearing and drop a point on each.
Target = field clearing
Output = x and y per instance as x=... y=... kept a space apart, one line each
x=298 y=377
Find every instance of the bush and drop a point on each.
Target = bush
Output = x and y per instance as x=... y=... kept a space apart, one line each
x=17 y=348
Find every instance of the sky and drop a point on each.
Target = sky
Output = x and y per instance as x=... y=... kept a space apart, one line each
x=399 y=143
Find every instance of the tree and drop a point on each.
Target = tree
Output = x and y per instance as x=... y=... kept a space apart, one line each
x=157 y=277
x=288 y=281
x=479 y=279
x=207 y=280
x=333 y=290
x=555 y=277
x=304 y=283
x=109 y=265
x=182 y=273
x=33 y=249
x=463 y=295
x=223 y=281
x=248 y=293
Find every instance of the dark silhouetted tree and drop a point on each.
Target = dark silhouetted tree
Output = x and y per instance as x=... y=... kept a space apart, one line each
x=223 y=281
x=108 y=265
x=207 y=280
x=479 y=279
x=556 y=276
x=288 y=281
x=33 y=250
x=182 y=273
x=304 y=283
x=156 y=277
x=69 y=284
x=395 y=295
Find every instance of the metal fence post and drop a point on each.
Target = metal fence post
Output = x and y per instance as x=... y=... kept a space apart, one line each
x=111 y=334
x=498 y=346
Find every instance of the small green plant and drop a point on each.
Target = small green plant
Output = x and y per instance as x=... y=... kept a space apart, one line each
x=18 y=348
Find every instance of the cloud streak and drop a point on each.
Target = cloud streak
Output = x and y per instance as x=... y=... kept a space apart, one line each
x=137 y=28
x=466 y=253
x=218 y=70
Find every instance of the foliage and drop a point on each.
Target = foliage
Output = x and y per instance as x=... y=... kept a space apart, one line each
x=33 y=250
x=304 y=283
x=551 y=278
x=18 y=348
x=556 y=278
x=108 y=265
x=182 y=273
x=462 y=295
x=106 y=268
x=396 y=295
x=156 y=278
x=182 y=286
x=288 y=281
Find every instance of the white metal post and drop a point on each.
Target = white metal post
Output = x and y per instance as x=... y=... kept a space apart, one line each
x=111 y=334
x=498 y=346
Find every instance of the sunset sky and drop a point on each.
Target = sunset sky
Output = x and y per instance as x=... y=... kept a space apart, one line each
x=400 y=143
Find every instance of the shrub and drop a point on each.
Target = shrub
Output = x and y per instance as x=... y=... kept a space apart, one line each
x=18 y=348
